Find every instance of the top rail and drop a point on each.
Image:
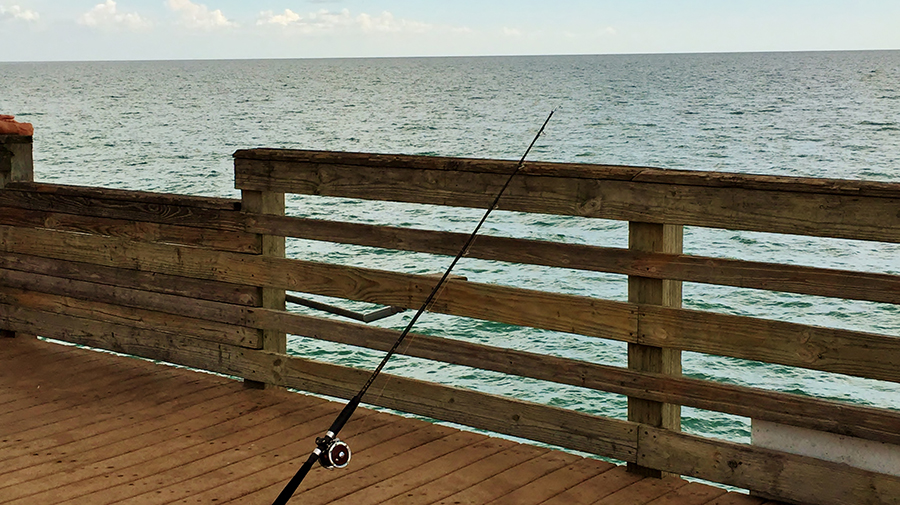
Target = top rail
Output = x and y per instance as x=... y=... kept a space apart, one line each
x=846 y=209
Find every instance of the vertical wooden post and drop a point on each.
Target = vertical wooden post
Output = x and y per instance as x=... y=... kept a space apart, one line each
x=16 y=159
x=16 y=165
x=654 y=238
x=268 y=202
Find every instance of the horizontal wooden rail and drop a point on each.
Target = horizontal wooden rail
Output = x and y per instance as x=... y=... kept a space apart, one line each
x=126 y=197
x=199 y=221
x=560 y=427
x=161 y=218
x=134 y=230
x=130 y=317
x=574 y=170
x=773 y=473
x=796 y=410
x=111 y=305
x=728 y=272
x=828 y=208
x=871 y=355
x=155 y=282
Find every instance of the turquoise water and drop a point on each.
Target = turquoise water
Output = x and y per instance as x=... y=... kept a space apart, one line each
x=172 y=126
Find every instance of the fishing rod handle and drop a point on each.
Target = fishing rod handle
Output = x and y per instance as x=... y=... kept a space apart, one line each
x=298 y=477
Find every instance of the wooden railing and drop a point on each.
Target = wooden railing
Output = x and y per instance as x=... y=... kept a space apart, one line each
x=201 y=281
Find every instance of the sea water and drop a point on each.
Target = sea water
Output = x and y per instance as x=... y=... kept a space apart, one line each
x=172 y=126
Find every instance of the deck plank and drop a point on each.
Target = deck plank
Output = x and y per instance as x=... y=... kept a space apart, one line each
x=389 y=488
x=554 y=483
x=508 y=481
x=85 y=427
x=469 y=476
x=643 y=491
x=274 y=468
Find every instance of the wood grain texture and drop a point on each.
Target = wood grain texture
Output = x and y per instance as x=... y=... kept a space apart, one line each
x=186 y=437
x=16 y=159
x=817 y=348
x=797 y=410
x=745 y=274
x=127 y=195
x=833 y=209
x=777 y=475
x=103 y=294
x=135 y=230
x=517 y=306
x=575 y=170
x=16 y=165
x=836 y=417
x=551 y=425
x=869 y=355
x=125 y=319
x=127 y=278
x=648 y=237
x=270 y=246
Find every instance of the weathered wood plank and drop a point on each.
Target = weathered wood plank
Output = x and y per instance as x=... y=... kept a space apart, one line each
x=210 y=311
x=16 y=159
x=551 y=425
x=126 y=195
x=817 y=348
x=649 y=237
x=729 y=272
x=273 y=246
x=839 y=214
x=837 y=417
x=517 y=306
x=370 y=434
x=575 y=170
x=129 y=317
x=502 y=415
x=126 y=278
x=224 y=240
x=873 y=356
x=16 y=165
x=864 y=286
x=778 y=475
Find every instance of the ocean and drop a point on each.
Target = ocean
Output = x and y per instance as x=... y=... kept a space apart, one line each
x=172 y=126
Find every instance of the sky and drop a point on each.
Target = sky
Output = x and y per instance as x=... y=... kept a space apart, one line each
x=67 y=30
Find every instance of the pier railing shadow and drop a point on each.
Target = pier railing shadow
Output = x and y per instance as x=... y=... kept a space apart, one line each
x=201 y=282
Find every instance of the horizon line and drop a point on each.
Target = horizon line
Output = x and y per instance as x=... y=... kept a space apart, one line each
x=662 y=53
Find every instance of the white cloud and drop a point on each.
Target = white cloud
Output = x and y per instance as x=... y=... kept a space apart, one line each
x=289 y=17
x=325 y=21
x=16 y=12
x=199 y=16
x=106 y=15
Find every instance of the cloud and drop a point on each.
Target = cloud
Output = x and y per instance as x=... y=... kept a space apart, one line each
x=107 y=16
x=325 y=21
x=16 y=12
x=289 y=17
x=198 y=16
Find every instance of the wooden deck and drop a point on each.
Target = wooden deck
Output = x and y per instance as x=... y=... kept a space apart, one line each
x=84 y=427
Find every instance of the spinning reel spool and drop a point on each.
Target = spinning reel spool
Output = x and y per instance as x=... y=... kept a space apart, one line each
x=333 y=452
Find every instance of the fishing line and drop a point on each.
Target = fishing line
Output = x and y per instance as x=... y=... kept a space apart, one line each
x=330 y=451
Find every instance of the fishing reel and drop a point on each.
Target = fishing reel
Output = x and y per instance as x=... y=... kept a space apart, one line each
x=333 y=452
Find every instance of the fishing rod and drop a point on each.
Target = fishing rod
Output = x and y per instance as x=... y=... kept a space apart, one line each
x=330 y=451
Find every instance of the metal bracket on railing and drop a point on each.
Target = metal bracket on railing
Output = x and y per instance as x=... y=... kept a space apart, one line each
x=358 y=316
x=338 y=311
